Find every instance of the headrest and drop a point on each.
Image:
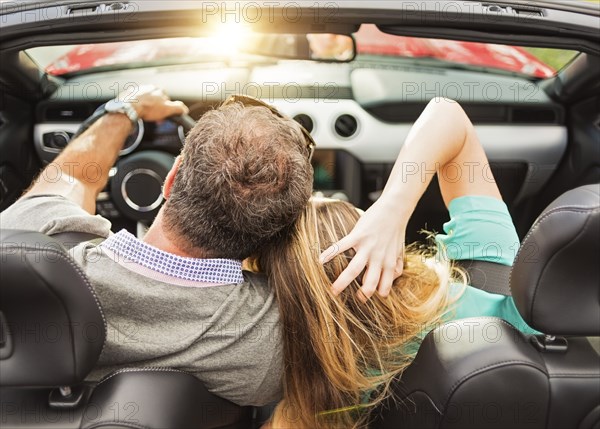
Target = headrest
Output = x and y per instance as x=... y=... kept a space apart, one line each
x=52 y=327
x=555 y=280
x=161 y=398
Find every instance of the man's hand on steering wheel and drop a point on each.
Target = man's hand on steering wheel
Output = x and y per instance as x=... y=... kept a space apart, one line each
x=98 y=147
x=152 y=104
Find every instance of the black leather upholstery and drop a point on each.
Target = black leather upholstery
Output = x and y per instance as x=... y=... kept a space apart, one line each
x=29 y=408
x=482 y=372
x=160 y=398
x=574 y=378
x=461 y=370
x=555 y=280
x=54 y=327
x=53 y=331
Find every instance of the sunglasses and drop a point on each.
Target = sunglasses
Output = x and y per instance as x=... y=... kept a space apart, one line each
x=247 y=101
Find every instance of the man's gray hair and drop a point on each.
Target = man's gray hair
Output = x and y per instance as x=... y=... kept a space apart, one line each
x=243 y=181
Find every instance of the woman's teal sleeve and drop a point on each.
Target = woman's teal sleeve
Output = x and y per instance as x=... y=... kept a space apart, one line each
x=481 y=228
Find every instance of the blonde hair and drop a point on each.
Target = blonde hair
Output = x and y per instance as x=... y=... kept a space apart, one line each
x=341 y=354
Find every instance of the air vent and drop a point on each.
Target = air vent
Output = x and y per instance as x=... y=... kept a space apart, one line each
x=306 y=121
x=528 y=11
x=346 y=126
x=70 y=113
x=397 y=113
x=525 y=115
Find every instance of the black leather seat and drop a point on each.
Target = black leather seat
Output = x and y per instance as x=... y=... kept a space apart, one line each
x=160 y=398
x=483 y=373
x=52 y=331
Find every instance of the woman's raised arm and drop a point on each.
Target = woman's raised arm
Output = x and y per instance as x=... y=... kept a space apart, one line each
x=442 y=141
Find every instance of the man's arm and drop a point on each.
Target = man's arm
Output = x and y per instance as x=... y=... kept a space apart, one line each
x=85 y=163
x=442 y=141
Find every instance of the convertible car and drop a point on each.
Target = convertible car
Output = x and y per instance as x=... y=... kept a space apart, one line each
x=356 y=75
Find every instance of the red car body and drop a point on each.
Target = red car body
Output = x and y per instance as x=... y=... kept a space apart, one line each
x=369 y=40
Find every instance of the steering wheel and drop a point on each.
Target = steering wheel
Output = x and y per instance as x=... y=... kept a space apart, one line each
x=186 y=121
x=136 y=187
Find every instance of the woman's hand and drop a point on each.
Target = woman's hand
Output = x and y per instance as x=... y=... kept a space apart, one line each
x=442 y=138
x=378 y=239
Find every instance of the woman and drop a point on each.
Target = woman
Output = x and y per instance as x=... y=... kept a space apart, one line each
x=343 y=344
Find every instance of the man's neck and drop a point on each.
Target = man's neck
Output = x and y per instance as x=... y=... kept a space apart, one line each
x=162 y=238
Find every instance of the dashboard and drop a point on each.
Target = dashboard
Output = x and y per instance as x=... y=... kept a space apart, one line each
x=359 y=116
x=52 y=137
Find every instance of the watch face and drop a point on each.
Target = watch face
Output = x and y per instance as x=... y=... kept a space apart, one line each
x=115 y=106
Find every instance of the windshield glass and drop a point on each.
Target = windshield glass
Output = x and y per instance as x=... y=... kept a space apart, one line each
x=534 y=62
x=371 y=44
x=59 y=60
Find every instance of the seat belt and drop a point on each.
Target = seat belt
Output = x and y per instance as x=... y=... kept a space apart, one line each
x=487 y=276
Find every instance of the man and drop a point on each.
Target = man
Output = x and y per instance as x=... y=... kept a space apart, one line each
x=179 y=298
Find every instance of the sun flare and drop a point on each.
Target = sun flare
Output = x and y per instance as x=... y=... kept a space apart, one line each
x=230 y=36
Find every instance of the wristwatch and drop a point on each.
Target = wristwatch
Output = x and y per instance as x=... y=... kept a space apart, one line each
x=118 y=106
x=113 y=106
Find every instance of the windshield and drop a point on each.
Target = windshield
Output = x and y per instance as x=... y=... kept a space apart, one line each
x=371 y=45
x=534 y=62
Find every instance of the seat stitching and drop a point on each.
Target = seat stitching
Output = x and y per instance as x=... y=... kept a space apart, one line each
x=145 y=369
x=485 y=368
x=565 y=375
x=64 y=308
x=117 y=422
x=531 y=231
x=83 y=277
